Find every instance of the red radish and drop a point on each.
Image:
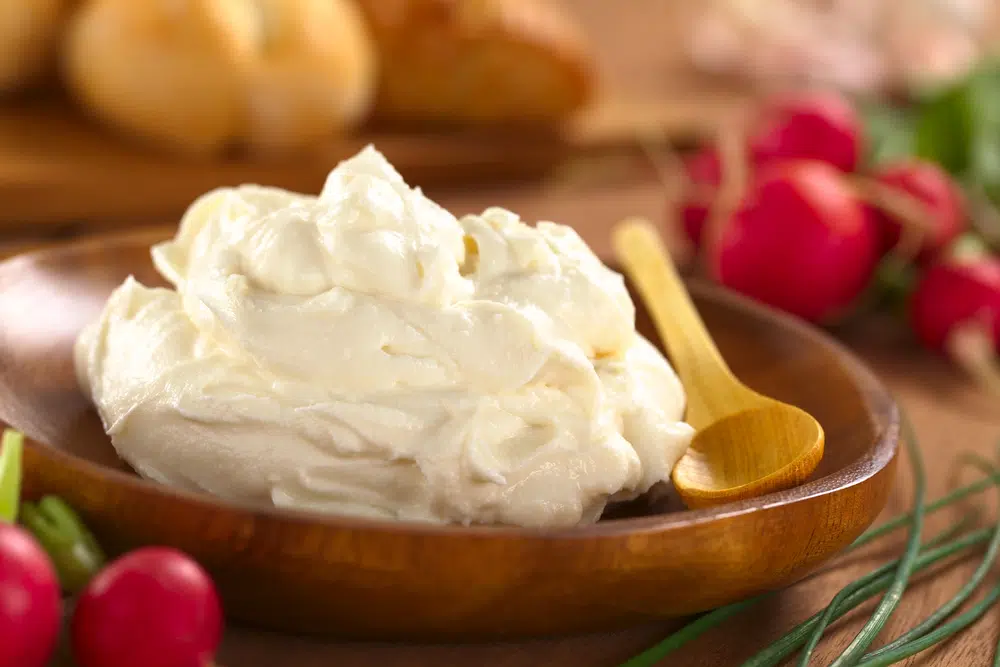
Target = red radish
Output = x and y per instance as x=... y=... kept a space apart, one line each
x=153 y=607
x=819 y=126
x=955 y=310
x=704 y=173
x=954 y=294
x=30 y=602
x=812 y=125
x=801 y=241
x=942 y=202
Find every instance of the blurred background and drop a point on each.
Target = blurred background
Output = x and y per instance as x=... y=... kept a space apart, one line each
x=117 y=112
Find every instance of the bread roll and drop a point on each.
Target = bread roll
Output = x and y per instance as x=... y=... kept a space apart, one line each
x=478 y=61
x=318 y=71
x=197 y=75
x=29 y=36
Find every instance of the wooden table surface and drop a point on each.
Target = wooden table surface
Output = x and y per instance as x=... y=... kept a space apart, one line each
x=950 y=417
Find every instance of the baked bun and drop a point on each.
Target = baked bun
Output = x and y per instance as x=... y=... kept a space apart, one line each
x=197 y=75
x=478 y=61
x=29 y=38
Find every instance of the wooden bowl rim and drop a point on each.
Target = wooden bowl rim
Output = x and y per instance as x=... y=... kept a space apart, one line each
x=877 y=399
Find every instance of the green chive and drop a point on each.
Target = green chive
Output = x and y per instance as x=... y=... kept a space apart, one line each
x=894 y=594
x=945 y=610
x=70 y=545
x=945 y=631
x=863 y=589
x=786 y=645
x=692 y=630
x=942 y=502
x=702 y=624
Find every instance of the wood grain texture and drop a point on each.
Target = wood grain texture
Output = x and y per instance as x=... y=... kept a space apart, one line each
x=294 y=571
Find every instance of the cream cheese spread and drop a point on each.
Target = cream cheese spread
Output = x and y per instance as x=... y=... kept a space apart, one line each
x=365 y=352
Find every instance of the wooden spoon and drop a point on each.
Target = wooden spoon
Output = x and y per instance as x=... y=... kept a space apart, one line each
x=746 y=444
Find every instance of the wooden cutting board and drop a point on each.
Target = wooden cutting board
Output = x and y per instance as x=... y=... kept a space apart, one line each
x=57 y=167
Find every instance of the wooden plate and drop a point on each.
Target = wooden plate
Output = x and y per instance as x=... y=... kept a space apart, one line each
x=298 y=572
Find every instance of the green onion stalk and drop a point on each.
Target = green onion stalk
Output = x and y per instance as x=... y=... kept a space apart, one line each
x=901 y=575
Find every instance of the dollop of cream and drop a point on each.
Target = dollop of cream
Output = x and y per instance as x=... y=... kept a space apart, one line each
x=364 y=352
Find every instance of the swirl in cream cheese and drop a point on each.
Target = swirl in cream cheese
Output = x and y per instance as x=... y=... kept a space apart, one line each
x=364 y=352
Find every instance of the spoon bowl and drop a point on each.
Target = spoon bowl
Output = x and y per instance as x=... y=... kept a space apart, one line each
x=719 y=467
x=746 y=444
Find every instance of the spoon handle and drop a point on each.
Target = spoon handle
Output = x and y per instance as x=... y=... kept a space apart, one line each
x=712 y=390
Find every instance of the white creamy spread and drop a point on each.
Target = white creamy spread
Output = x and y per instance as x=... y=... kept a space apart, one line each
x=364 y=352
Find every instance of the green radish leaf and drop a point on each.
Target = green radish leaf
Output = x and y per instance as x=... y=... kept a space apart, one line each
x=11 y=446
x=983 y=94
x=69 y=544
x=943 y=132
x=895 y=279
x=959 y=128
x=889 y=132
